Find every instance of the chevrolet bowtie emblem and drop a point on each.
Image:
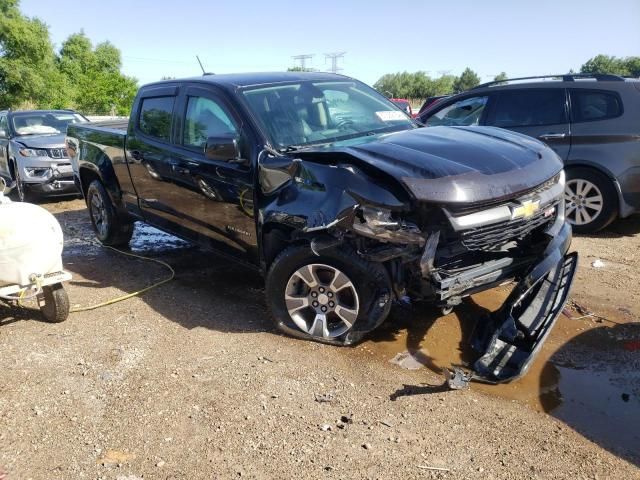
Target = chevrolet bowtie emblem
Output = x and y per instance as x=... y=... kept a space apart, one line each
x=526 y=210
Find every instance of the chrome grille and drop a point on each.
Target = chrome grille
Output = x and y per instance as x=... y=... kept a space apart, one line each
x=57 y=152
x=494 y=236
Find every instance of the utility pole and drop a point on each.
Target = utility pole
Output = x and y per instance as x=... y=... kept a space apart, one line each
x=303 y=60
x=334 y=56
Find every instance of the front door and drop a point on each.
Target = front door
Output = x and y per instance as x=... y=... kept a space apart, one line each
x=538 y=112
x=216 y=195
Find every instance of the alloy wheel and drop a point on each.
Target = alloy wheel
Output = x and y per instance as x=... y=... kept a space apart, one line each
x=322 y=301
x=20 y=189
x=583 y=201
x=99 y=215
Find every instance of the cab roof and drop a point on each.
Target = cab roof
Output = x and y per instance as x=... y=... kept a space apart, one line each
x=241 y=80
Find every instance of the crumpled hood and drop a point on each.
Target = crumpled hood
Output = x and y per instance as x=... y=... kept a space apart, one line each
x=42 y=141
x=460 y=164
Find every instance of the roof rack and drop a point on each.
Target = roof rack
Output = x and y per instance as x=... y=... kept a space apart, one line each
x=565 y=77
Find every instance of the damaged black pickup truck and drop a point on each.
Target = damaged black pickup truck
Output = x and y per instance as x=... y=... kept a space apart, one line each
x=342 y=201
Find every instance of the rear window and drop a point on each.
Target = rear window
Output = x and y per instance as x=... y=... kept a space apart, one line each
x=155 y=117
x=590 y=105
x=528 y=108
x=467 y=111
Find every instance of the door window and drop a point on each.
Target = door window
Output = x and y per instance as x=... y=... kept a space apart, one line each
x=205 y=118
x=4 y=125
x=462 y=113
x=589 y=105
x=528 y=108
x=155 y=117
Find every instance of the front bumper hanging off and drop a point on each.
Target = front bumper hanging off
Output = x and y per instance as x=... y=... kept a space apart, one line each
x=511 y=338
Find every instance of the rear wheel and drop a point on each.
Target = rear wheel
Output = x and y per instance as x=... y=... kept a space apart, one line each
x=54 y=303
x=590 y=200
x=110 y=228
x=335 y=297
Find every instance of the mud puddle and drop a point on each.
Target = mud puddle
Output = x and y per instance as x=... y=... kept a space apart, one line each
x=587 y=374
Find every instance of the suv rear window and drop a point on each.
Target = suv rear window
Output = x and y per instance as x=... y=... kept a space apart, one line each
x=527 y=108
x=589 y=105
x=155 y=117
x=461 y=113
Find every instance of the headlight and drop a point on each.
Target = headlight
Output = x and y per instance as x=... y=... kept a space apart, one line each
x=38 y=172
x=33 y=152
x=378 y=224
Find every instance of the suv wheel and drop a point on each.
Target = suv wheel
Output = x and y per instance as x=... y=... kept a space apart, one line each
x=109 y=227
x=335 y=297
x=22 y=190
x=590 y=200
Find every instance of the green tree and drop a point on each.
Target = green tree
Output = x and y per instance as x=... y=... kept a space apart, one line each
x=79 y=76
x=28 y=73
x=98 y=87
x=416 y=85
x=501 y=77
x=627 y=66
x=468 y=79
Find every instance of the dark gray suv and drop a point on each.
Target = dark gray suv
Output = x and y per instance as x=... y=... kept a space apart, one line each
x=591 y=121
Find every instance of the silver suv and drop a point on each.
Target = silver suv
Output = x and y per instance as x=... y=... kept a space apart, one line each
x=591 y=121
x=33 y=157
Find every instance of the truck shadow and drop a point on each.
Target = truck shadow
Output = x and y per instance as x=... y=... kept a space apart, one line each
x=207 y=291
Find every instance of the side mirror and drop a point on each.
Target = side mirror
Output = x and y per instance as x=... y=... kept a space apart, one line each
x=3 y=133
x=223 y=148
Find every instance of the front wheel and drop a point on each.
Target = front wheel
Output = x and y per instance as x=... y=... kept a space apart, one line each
x=591 y=200
x=22 y=190
x=335 y=297
x=54 y=303
x=109 y=227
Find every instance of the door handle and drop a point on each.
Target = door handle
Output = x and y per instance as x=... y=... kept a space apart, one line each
x=552 y=136
x=177 y=168
x=137 y=155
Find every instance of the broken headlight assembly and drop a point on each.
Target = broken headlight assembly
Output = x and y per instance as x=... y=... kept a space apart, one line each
x=379 y=224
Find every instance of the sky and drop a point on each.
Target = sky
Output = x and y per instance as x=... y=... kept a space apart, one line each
x=520 y=37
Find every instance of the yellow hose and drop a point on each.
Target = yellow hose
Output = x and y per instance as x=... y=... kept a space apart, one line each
x=129 y=295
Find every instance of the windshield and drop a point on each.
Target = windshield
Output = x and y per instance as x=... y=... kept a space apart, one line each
x=320 y=112
x=43 y=123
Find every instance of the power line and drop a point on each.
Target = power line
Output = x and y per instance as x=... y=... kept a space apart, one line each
x=334 y=56
x=303 y=59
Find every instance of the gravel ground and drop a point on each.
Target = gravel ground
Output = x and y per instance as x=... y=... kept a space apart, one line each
x=190 y=381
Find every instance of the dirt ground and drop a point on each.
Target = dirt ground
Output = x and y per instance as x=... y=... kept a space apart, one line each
x=189 y=381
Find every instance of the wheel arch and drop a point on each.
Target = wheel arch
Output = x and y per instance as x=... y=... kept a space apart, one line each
x=90 y=172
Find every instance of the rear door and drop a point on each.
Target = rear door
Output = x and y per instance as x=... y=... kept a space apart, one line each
x=149 y=152
x=541 y=113
x=597 y=134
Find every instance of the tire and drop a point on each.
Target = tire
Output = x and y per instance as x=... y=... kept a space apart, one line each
x=591 y=200
x=22 y=190
x=55 y=308
x=355 y=294
x=110 y=228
